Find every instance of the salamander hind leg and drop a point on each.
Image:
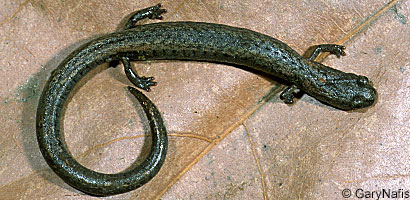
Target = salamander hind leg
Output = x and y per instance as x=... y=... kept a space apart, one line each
x=314 y=51
x=153 y=12
x=141 y=82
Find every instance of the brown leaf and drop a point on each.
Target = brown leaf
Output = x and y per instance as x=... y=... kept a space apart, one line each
x=230 y=137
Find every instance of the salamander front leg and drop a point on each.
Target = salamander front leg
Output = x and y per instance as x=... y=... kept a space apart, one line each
x=141 y=82
x=289 y=93
x=314 y=51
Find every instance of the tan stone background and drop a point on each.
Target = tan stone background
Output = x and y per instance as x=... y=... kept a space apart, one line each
x=231 y=137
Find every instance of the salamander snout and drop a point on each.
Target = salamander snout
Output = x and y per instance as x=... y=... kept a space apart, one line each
x=364 y=98
x=364 y=94
x=345 y=91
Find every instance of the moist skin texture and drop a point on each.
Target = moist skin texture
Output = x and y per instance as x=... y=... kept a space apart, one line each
x=181 y=41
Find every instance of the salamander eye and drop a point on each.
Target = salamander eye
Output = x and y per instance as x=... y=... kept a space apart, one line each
x=364 y=80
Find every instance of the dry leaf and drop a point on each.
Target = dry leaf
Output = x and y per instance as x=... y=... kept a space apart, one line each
x=230 y=135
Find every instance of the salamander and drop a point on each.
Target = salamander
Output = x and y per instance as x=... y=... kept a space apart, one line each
x=181 y=41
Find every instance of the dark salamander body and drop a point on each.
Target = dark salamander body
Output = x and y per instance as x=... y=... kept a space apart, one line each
x=180 y=41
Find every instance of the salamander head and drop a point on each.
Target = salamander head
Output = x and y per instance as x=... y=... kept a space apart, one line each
x=345 y=91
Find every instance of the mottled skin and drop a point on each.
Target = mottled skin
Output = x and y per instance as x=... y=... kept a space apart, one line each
x=181 y=41
x=56 y=153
